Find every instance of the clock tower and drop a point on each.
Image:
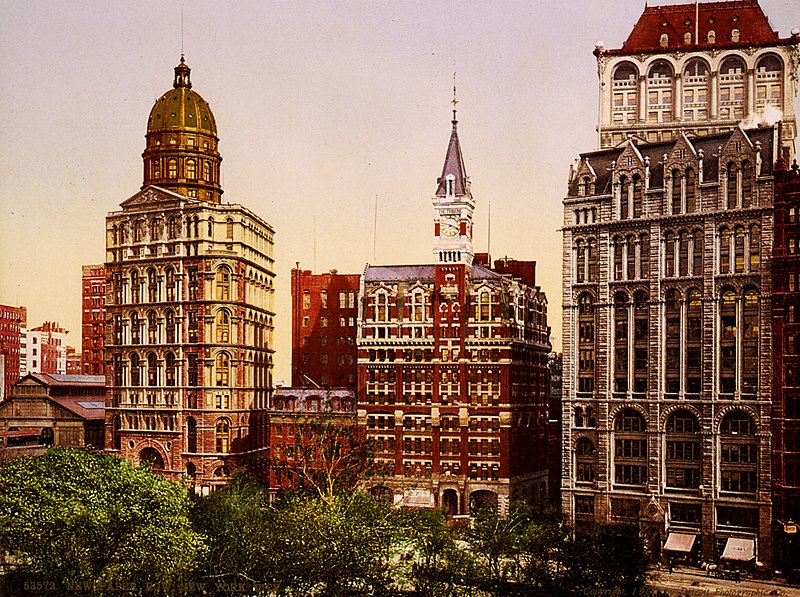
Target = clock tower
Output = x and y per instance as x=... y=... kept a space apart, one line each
x=453 y=207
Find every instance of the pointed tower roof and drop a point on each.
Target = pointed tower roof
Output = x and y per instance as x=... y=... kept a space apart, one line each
x=453 y=165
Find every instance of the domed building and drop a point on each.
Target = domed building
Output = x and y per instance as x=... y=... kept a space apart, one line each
x=189 y=307
x=182 y=152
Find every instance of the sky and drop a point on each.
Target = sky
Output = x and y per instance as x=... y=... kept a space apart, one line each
x=324 y=110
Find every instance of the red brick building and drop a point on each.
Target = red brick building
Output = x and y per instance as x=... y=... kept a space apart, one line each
x=786 y=365
x=291 y=408
x=324 y=316
x=93 y=320
x=452 y=368
x=13 y=321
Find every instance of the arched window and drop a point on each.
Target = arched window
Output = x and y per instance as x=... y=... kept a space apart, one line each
x=138 y=231
x=738 y=249
x=630 y=449
x=672 y=336
x=152 y=370
x=223 y=326
x=625 y=94
x=691 y=179
x=155 y=229
x=206 y=171
x=641 y=341
x=586 y=343
x=631 y=274
x=755 y=248
x=621 y=338
x=683 y=254
x=229 y=228
x=592 y=259
x=619 y=251
x=728 y=342
x=724 y=251
x=669 y=255
x=223 y=369
x=580 y=261
x=694 y=342
x=169 y=275
x=172 y=168
x=585 y=460
x=769 y=81
x=191 y=435
x=172 y=228
x=136 y=328
x=712 y=36
x=687 y=38
x=624 y=198
x=637 y=196
x=697 y=253
x=210 y=227
x=738 y=453
x=136 y=370
x=695 y=90
x=191 y=169
x=663 y=41
x=684 y=455
x=136 y=289
x=644 y=256
x=169 y=363
x=152 y=286
x=735 y=35
x=152 y=327
x=156 y=168
x=750 y=335
x=223 y=279
x=659 y=92
x=677 y=184
x=732 y=186
x=222 y=435
x=731 y=88
x=747 y=183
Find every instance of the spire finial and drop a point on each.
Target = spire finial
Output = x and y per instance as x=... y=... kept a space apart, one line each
x=455 y=98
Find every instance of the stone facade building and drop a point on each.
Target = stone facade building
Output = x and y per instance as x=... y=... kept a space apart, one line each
x=93 y=319
x=668 y=344
x=189 y=306
x=13 y=320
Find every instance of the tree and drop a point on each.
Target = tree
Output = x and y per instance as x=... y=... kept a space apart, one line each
x=79 y=522
x=329 y=456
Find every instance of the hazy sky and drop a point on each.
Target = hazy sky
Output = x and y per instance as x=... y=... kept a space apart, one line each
x=320 y=107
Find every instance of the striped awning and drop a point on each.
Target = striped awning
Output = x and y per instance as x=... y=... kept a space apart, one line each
x=681 y=542
x=742 y=550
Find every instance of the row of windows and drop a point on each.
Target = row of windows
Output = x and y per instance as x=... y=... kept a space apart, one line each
x=148 y=371
x=158 y=227
x=190 y=169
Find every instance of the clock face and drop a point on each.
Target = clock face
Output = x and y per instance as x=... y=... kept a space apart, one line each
x=449 y=227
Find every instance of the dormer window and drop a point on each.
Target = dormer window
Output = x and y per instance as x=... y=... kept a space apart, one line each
x=687 y=38
x=664 y=41
x=712 y=37
x=450 y=185
x=735 y=35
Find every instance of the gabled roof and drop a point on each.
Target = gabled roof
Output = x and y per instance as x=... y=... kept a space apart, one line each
x=152 y=194
x=721 y=17
x=59 y=379
x=604 y=159
x=453 y=165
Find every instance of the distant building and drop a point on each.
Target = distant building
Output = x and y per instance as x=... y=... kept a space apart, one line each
x=555 y=364
x=786 y=366
x=698 y=69
x=452 y=368
x=93 y=320
x=291 y=408
x=188 y=347
x=74 y=366
x=13 y=321
x=324 y=318
x=46 y=348
x=61 y=410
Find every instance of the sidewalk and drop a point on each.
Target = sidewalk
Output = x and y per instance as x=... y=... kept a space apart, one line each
x=691 y=582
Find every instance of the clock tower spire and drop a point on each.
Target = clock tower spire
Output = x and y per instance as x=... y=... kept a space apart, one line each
x=453 y=205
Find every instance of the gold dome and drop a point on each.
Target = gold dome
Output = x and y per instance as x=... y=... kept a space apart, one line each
x=181 y=108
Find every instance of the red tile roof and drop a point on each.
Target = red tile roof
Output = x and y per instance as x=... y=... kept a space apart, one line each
x=721 y=17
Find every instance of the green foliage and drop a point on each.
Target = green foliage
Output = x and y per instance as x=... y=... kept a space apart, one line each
x=74 y=520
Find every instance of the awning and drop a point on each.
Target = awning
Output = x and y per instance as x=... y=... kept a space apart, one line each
x=742 y=550
x=681 y=542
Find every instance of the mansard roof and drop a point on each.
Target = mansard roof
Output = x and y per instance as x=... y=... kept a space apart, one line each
x=400 y=273
x=721 y=17
x=604 y=160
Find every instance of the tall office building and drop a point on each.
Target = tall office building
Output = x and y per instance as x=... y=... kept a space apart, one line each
x=452 y=367
x=93 y=320
x=189 y=306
